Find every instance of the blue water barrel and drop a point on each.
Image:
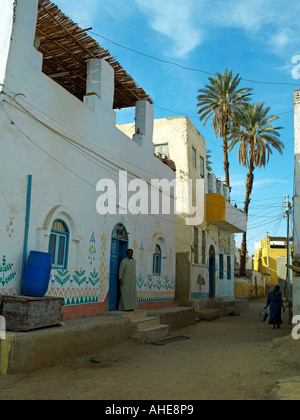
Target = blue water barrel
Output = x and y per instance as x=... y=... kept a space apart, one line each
x=37 y=274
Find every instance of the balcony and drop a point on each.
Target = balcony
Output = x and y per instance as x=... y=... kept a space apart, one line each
x=221 y=213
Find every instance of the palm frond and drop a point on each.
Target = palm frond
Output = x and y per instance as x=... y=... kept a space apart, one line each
x=256 y=136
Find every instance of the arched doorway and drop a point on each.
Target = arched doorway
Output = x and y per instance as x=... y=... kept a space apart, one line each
x=119 y=246
x=212 y=271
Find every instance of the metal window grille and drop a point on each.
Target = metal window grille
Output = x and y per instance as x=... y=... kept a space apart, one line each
x=157 y=261
x=221 y=266
x=58 y=244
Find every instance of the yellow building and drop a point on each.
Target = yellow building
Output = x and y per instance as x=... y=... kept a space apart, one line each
x=265 y=256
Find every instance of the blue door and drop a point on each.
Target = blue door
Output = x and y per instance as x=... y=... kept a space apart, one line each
x=119 y=246
x=113 y=275
x=212 y=272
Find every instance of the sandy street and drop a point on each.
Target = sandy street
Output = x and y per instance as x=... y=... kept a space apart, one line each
x=232 y=358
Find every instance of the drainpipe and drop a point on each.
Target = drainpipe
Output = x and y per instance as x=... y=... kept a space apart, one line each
x=268 y=261
x=26 y=232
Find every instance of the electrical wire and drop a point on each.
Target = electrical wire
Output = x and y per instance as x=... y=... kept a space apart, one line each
x=82 y=179
x=186 y=67
x=90 y=156
x=90 y=153
x=74 y=146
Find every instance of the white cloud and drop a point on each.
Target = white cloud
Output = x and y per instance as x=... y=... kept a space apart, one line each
x=92 y=11
x=78 y=11
x=186 y=24
x=272 y=24
x=175 y=20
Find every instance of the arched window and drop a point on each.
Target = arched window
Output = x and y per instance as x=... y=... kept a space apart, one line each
x=157 y=261
x=58 y=244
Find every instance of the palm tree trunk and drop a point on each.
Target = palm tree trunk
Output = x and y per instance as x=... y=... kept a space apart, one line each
x=249 y=188
x=226 y=161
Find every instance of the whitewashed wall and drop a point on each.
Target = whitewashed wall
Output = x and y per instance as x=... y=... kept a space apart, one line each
x=68 y=146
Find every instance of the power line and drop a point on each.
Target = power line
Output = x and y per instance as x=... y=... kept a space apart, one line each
x=75 y=174
x=277 y=182
x=88 y=183
x=78 y=176
x=186 y=67
x=88 y=152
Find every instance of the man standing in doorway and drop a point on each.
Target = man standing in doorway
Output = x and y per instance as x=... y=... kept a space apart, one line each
x=127 y=278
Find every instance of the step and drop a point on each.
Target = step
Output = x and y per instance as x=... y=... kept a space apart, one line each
x=149 y=334
x=142 y=323
x=176 y=317
x=208 y=314
x=228 y=305
x=137 y=313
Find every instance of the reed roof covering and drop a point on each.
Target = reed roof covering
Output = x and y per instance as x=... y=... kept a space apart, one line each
x=67 y=48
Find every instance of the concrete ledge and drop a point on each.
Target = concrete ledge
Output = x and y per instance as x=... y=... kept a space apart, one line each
x=176 y=317
x=26 y=352
x=286 y=389
x=208 y=314
x=155 y=332
x=227 y=305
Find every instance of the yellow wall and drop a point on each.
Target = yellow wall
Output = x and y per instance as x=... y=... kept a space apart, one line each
x=215 y=207
x=245 y=288
x=261 y=260
x=248 y=291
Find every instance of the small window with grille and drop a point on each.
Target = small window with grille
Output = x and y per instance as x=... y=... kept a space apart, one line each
x=162 y=149
x=58 y=244
x=157 y=261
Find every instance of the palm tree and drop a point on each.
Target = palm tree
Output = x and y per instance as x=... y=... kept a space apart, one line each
x=208 y=161
x=221 y=99
x=256 y=138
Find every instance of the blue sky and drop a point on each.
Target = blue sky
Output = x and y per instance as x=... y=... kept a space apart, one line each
x=256 y=39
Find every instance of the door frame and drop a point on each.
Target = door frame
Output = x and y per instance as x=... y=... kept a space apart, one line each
x=212 y=272
x=119 y=237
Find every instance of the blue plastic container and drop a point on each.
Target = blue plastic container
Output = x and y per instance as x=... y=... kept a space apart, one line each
x=37 y=274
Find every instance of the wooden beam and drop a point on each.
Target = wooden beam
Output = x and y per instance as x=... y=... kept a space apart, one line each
x=67 y=31
x=61 y=46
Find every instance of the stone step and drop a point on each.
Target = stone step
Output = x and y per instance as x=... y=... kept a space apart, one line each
x=146 y=335
x=228 y=305
x=175 y=317
x=137 y=313
x=208 y=314
x=142 y=323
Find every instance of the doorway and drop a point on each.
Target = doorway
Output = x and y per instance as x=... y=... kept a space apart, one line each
x=119 y=247
x=212 y=271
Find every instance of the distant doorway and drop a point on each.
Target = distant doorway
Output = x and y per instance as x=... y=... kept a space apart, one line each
x=212 y=271
x=119 y=247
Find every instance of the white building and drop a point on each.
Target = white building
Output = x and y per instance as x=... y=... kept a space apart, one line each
x=59 y=89
x=205 y=250
x=296 y=233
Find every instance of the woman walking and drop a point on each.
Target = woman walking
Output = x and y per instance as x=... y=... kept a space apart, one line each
x=276 y=304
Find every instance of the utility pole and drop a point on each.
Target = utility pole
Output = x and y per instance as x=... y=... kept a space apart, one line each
x=268 y=261
x=287 y=213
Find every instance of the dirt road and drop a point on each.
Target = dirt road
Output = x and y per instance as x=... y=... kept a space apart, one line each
x=232 y=358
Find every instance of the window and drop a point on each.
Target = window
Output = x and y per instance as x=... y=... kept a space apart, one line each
x=194 y=157
x=221 y=266
x=201 y=166
x=196 y=246
x=162 y=149
x=58 y=244
x=157 y=261
x=228 y=268
x=203 y=246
